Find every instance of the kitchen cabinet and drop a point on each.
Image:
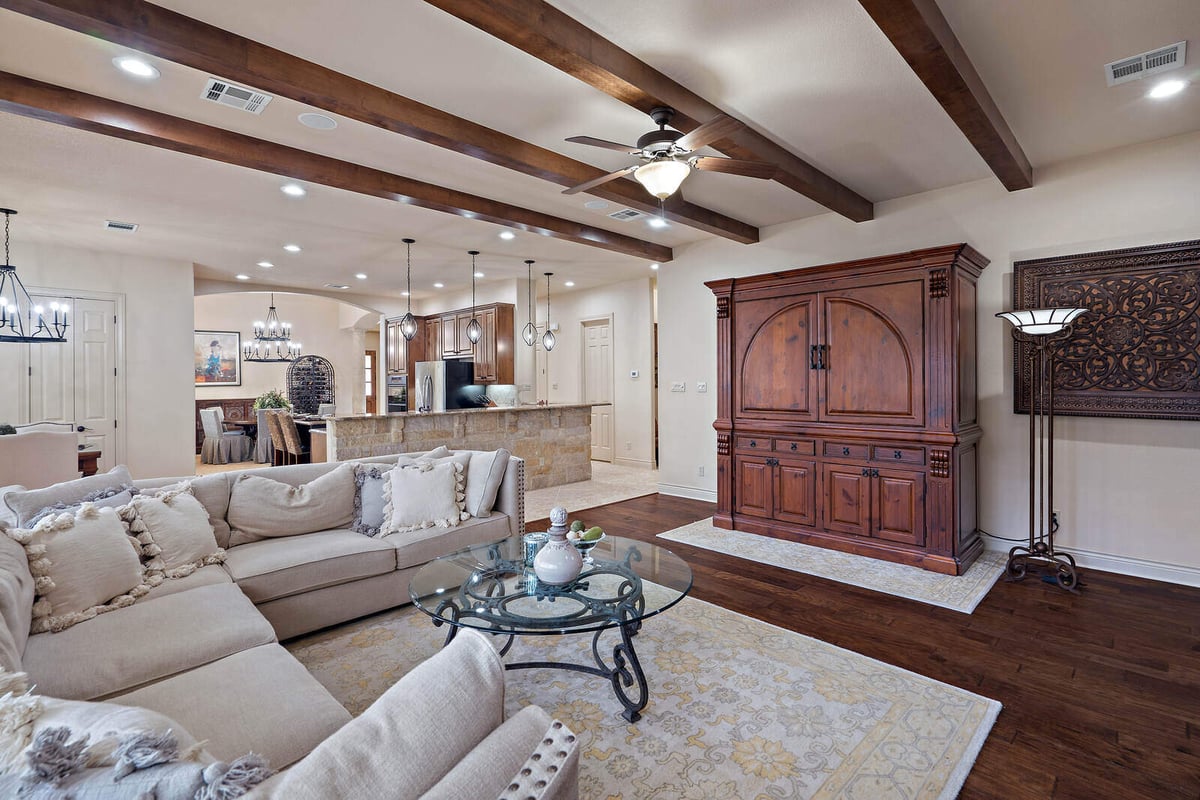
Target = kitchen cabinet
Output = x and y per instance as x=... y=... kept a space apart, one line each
x=846 y=406
x=446 y=337
x=401 y=354
x=433 y=338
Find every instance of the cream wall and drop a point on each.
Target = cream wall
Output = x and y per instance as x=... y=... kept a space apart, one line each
x=324 y=327
x=631 y=305
x=1125 y=488
x=159 y=437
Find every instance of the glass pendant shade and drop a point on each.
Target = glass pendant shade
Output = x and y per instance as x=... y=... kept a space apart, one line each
x=548 y=341
x=408 y=323
x=662 y=178
x=474 y=330
x=21 y=318
x=529 y=333
x=1041 y=321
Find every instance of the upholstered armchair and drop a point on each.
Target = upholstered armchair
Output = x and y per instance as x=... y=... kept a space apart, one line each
x=221 y=446
x=39 y=458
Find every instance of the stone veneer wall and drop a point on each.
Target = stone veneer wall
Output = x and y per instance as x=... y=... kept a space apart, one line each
x=555 y=442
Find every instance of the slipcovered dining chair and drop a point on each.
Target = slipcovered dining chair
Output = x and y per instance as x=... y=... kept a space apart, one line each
x=221 y=446
x=263 y=446
x=326 y=409
x=297 y=453
x=275 y=431
x=38 y=459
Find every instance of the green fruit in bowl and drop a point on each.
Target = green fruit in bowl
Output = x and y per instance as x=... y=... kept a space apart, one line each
x=577 y=526
x=591 y=534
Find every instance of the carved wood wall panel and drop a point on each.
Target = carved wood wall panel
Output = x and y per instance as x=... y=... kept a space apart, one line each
x=1136 y=353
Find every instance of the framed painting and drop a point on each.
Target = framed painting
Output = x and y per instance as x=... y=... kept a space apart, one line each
x=1136 y=352
x=217 y=358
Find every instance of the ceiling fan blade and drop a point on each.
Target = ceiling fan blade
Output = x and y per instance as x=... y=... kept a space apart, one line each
x=583 y=187
x=607 y=145
x=709 y=132
x=735 y=166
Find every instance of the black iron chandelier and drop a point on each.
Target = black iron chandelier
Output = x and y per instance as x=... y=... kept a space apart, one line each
x=272 y=340
x=21 y=318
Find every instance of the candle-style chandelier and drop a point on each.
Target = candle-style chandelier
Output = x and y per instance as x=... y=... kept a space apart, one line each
x=272 y=340
x=22 y=319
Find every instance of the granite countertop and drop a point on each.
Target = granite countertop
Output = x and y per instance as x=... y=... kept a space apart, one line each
x=552 y=406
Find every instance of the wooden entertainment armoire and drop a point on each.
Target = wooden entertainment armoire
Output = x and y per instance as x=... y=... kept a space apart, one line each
x=846 y=406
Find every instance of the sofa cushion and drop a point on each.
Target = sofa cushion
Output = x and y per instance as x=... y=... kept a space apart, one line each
x=145 y=642
x=483 y=480
x=261 y=508
x=411 y=736
x=174 y=531
x=211 y=490
x=28 y=502
x=426 y=495
x=489 y=769
x=260 y=700
x=418 y=547
x=16 y=603
x=273 y=568
x=205 y=576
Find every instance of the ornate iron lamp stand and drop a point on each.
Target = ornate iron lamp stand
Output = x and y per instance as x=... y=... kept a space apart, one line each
x=1042 y=329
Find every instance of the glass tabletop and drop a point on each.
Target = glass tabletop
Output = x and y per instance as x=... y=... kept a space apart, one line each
x=489 y=587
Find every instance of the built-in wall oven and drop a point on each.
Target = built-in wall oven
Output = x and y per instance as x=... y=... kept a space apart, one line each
x=397 y=393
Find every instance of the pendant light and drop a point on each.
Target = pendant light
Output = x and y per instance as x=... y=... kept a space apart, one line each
x=408 y=323
x=548 y=337
x=529 y=333
x=474 y=329
x=272 y=340
x=22 y=319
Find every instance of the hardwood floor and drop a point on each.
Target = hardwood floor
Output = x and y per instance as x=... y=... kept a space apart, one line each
x=1101 y=690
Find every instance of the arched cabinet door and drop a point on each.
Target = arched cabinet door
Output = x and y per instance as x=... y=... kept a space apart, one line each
x=874 y=365
x=773 y=343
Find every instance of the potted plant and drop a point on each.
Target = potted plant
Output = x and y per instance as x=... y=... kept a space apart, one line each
x=272 y=398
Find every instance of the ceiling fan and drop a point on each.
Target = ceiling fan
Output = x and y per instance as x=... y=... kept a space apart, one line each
x=665 y=152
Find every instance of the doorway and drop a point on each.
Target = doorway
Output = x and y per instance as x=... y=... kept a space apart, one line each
x=369 y=367
x=597 y=374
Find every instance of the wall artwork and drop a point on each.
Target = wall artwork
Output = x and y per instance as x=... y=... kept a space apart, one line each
x=217 y=358
x=1136 y=352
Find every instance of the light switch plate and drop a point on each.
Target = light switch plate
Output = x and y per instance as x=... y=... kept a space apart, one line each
x=633 y=373
x=679 y=386
x=701 y=386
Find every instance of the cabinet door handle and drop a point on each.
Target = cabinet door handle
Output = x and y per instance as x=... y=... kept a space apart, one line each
x=813 y=360
x=793 y=445
x=823 y=356
x=753 y=443
x=895 y=454
x=874 y=473
x=772 y=462
x=866 y=473
x=845 y=451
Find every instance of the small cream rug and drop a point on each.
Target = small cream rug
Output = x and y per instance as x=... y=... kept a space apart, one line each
x=610 y=483
x=738 y=709
x=958 y=593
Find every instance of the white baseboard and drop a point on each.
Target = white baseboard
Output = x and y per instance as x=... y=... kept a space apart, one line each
x=1122 y=565
x=634 y=462
x=688 y=491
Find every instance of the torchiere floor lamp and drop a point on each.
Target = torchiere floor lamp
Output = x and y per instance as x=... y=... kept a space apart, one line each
x=1043 y=329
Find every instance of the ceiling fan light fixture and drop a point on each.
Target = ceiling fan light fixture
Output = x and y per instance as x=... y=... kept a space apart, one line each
x=662 y=177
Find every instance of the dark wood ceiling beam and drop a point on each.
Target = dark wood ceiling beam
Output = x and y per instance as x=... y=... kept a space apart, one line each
x=34 y=99
x=180 y=39
x=917 y=29
x=552 y=36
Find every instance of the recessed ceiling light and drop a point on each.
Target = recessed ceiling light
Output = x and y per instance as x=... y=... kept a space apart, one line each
x=362 y=276
x=265 y=264
x=654 y=266
x=478 y=274
x=657 y=222
x=137 y=67
x=596 y=205
x=242 y=277
x=293 y=190
x=318 y=121
x=439 y=286
x=569 y=283
x=292 y=248
x=1168 y=88
x=336 y=286
x=507 y=235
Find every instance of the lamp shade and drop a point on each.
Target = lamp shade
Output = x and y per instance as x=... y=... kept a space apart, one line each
x=663 y=177
x=1041 y=321
x=408 y=326
x=548 y=340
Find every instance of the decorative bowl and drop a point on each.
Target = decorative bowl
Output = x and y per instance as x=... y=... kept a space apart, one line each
x=585 y=547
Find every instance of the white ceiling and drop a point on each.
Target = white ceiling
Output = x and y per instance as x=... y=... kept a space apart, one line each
x=816 y=76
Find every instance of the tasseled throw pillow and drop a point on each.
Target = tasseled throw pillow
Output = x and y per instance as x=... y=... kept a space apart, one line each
x=174 y=532
x=425 y=495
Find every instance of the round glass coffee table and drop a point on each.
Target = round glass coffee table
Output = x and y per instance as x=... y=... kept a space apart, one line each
x=489 y=587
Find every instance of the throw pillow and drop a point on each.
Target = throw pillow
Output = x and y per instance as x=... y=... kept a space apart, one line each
x=260 y=508
x=24 y=504
x=484 y=475
x=174 y=532
x=424 y=496
x=368 y=498
x=111 y=497
x=83 y=564
x=211 y=490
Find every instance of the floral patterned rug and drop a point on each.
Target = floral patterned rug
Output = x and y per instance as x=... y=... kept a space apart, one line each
x=958 y=593
x=738 y=709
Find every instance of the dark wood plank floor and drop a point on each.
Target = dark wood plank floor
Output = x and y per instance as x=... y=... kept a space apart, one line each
x=1101 y=690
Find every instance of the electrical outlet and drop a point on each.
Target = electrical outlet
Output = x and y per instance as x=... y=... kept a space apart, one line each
x=679 y=386
x=701 y=386
x=700 y=470
x=554 y=386
x=629 y=445
x=633 y=373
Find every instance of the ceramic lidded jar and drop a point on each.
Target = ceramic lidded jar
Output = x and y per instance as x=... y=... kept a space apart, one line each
x=558 y=562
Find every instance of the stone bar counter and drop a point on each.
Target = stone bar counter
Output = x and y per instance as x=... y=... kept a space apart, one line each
x=555 y=440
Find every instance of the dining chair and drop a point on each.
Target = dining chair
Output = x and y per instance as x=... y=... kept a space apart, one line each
x=326 y=409
x=275 y=431
x=297 y=453
x=221 y=446
x=263 y=448
x=39 y=458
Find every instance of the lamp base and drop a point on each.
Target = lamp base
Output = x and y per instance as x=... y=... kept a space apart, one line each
x=1041 y=555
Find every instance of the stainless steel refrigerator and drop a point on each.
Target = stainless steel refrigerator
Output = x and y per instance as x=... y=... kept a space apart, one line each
x=443 y=385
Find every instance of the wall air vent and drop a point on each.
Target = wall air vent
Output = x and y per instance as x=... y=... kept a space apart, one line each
x=229 y=94
x=1143 y=65
x=125 y=227
x=626 y=214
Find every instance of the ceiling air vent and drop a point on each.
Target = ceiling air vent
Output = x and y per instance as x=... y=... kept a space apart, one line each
x=229 y=94
x=626 y=214
x=125 y=227
x=1140 y=66
x=336 y=286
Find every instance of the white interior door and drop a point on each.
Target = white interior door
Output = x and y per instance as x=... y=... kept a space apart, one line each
x=598 y=384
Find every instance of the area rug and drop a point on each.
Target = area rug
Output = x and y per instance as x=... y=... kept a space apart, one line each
x=610 y=483
x=958 y=593
x=738 y=709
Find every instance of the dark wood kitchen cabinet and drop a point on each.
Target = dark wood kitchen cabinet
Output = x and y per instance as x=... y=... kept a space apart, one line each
x=847 y=408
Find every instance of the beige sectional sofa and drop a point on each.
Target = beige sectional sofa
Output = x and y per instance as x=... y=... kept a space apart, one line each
x=204 y=649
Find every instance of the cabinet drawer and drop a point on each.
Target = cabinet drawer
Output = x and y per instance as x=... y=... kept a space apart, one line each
x=796 y=447
x=753 y=443
x=898 y=455
x=845 y=450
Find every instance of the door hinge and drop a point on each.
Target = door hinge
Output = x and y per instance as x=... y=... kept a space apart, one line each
x=114 y=372
x=30 y=371
x=114 y=424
